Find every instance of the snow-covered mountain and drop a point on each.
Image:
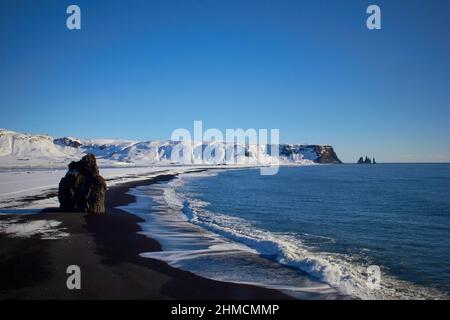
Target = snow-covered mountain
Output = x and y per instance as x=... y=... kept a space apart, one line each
x=27 y=150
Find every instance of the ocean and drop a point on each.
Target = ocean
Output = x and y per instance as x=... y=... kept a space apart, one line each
x=315 y=232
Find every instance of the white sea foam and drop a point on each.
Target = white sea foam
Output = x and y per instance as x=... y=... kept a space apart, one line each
x=186 y=246
x=343 y=272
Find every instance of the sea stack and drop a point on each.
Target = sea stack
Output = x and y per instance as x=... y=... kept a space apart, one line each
x=367 y=160
x=82 y=189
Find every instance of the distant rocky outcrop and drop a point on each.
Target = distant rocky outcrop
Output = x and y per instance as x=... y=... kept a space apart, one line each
x=82 y=189
x=316 y=153
x=367 y=160
x=326 y=155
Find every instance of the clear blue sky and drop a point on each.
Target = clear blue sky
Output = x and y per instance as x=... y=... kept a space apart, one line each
x=140 y=69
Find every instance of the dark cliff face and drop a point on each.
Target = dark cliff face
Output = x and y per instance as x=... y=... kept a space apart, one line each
x=326 y=154
x=316 y=153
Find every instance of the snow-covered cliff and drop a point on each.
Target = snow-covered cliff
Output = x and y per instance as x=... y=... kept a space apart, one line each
x=27 y=150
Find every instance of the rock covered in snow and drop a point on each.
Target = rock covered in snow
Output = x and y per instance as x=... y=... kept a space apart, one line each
x=82 y=189
x=68 y=142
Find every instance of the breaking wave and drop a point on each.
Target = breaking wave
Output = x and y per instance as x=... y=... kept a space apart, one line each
x=346 y=273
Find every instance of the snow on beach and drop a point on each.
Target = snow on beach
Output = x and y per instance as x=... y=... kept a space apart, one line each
x=37 y=188
x=45 y=229
x=31 y=190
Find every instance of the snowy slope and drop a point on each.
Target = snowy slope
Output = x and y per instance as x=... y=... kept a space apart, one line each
x=17 y=149
x=26 y=150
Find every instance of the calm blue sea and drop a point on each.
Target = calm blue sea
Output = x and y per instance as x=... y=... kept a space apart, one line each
x=317 y=227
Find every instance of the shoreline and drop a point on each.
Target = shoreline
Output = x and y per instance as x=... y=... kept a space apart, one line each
x=106 y=248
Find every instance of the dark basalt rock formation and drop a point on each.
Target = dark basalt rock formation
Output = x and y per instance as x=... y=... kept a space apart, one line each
x=83 y=189
x=326 y=154
x=321 y=154
x=366 y=160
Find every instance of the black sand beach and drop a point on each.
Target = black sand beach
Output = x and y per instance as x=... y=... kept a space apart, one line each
x=106 y=248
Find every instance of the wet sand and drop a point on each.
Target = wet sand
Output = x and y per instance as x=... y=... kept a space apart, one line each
x=106 y=248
